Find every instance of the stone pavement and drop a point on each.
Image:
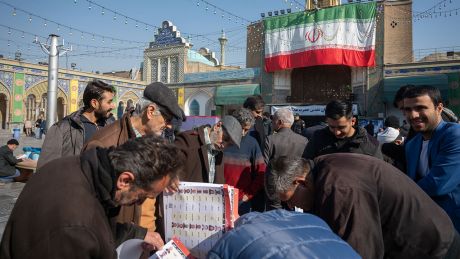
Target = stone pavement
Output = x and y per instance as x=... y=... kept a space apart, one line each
x=9 y=192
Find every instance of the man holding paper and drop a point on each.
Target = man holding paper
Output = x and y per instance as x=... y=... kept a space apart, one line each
x=69 y=208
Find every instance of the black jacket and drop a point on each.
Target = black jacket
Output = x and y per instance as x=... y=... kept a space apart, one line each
x=324 y=142
x=378 y=210
x=7 y=161
x=66 y=210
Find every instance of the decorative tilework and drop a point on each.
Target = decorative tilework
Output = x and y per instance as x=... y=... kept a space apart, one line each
x=32 y=80
x=64 y=85
x=6 y=78
x=246 y=73
x=173 y=66
x=178 y=52
x=154 y=63
x=164 y=70
x=167 y=35
x=81 y=87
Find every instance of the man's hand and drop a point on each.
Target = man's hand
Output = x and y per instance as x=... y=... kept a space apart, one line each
x=173 y=186
x=152 y=241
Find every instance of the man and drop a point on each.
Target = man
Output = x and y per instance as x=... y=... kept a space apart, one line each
x=283 y=143
x=281 y=234
x=433 y=154
x=369 y=203
x=67 y=137
x=370 y=128
x=396 y=150
x=256 y=105
x=203 y=150
x=299 y=125
x=157 y=109
x=391 y=130
x=68 y=209
x=244 y=167
x=341 y=135
x=8 y=161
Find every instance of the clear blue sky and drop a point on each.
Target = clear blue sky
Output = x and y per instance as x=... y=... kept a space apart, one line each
x=191 y=17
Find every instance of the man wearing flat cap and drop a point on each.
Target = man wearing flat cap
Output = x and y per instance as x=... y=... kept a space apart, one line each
x=158 y=107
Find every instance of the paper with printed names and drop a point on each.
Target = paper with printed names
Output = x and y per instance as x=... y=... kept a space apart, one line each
x=199 y=214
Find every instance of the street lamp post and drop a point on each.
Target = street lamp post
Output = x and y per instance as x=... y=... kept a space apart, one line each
x=54 y=51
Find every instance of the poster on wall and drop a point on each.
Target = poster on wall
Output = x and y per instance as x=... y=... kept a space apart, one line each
x=309 y=110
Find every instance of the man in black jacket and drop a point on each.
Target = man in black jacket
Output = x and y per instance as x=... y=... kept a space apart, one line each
x=8 y=161
x=369 y=203
x=67 y=137
x=68 y=209
x=341 y=135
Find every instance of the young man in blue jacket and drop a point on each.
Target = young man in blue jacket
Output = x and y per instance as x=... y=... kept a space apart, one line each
x=433 y=154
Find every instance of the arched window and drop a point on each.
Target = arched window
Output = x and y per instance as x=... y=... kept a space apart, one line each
x=194 y=108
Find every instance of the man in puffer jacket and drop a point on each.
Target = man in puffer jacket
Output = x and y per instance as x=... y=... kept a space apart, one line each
x=281 y=234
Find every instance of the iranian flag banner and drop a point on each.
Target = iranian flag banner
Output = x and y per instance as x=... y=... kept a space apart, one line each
x=341 y=35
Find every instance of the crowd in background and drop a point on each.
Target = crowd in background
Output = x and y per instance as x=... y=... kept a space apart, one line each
x=393 y=194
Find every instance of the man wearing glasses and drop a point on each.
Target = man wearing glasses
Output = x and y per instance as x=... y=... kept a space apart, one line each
x=158 y=107
x=69 y=208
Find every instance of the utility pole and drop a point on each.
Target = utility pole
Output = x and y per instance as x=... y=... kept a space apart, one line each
x=54 y=51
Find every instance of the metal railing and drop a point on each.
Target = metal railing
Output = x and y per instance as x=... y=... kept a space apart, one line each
x=436 y=54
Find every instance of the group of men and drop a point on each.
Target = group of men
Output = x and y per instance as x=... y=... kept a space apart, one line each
x=343 y=180
x=104 y=188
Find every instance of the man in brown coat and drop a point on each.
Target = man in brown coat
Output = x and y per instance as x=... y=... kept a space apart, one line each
x=157 y=108
x=369 y=203
x=68 y=209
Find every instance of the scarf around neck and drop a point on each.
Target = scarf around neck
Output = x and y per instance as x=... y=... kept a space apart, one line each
x=97 y=162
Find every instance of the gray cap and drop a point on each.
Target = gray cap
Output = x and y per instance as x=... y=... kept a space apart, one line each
x=233 y=128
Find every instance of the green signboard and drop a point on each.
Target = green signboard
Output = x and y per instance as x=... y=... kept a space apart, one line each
x=18 y=103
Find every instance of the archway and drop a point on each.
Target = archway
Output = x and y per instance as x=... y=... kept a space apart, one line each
x=130 y=98
x=3 y=110
x=40 y=92
x=202 y=98
x=5 y=98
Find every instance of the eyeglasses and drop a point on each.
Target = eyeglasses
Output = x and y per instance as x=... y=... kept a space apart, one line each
x=167 y=116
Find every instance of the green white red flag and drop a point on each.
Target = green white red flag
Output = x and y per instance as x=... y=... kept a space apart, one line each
x=341 y=35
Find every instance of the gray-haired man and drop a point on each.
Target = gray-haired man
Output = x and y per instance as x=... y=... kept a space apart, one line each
x=369 y=203
x=68 y=209
x=284 y=143
x=158 y=107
